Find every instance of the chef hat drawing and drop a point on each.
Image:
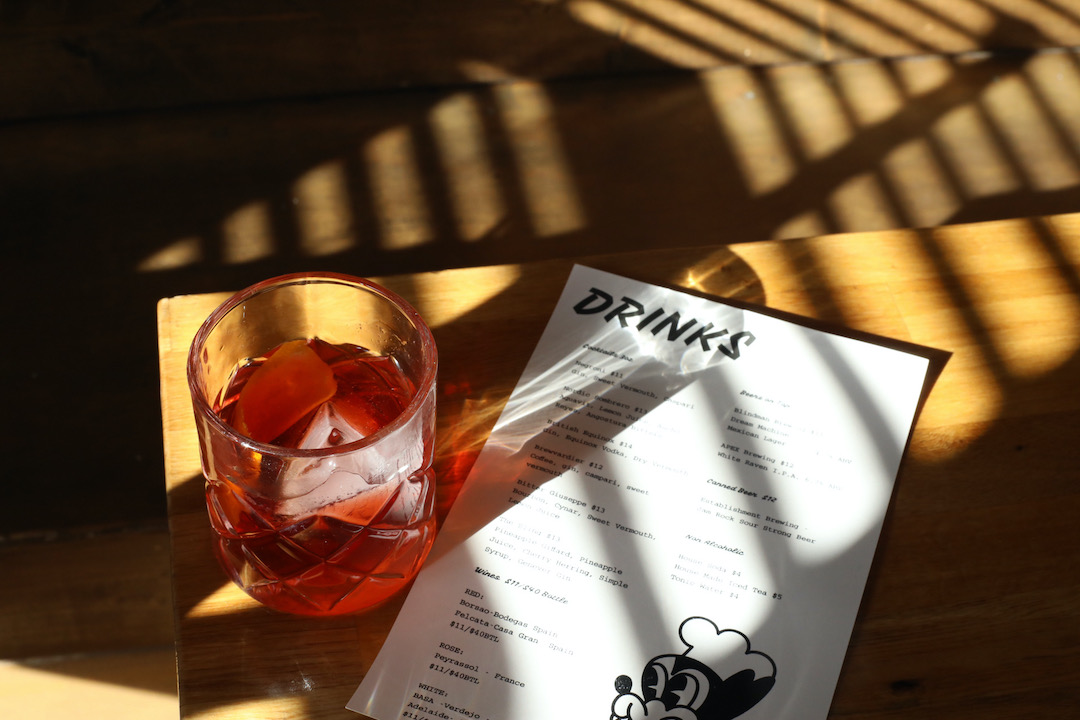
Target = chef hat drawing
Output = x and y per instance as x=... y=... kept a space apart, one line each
x=717 y=677
x=727 y=652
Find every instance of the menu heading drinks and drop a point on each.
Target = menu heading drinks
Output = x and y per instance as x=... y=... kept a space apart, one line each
x=672 y=326
x=674 y=517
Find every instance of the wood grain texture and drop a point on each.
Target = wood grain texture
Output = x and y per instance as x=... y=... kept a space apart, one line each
x=970 y=609
x=106 y=593
x=141 y=54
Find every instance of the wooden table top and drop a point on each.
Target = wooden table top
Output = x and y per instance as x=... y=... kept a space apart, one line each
x=970 y=610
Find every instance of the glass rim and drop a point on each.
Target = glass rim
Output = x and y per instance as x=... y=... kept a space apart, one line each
x=430 y=357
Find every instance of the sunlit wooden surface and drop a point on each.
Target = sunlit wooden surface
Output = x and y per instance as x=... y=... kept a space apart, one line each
x=131 y=685
x=970 y=610
x=152 y=149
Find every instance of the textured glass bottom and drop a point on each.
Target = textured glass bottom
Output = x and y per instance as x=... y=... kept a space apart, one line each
x=323 y=564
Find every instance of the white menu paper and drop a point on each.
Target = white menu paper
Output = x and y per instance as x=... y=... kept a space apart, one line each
x=674 y=517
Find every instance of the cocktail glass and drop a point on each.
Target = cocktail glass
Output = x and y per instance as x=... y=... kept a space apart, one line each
x=334 y=515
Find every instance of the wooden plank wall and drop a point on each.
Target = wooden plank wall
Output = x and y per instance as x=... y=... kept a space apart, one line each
x=72 y=58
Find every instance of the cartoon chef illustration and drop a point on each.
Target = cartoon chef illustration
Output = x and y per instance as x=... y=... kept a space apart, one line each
x=717 y=677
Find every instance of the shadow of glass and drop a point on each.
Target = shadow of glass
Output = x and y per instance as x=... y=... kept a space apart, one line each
x=210 y=622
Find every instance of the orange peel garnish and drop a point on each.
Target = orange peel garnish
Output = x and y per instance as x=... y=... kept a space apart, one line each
x=292 y=382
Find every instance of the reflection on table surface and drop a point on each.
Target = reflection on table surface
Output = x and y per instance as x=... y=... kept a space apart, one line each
x=1001 y=409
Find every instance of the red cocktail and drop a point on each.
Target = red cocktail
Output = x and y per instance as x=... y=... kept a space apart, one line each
x=317 y=452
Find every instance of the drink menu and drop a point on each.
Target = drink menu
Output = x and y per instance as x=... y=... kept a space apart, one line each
x=674 y=517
